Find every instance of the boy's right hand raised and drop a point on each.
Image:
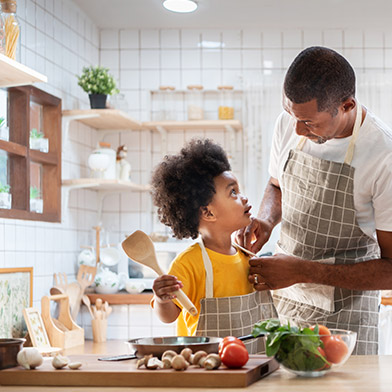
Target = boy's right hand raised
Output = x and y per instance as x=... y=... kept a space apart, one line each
x=164 y=287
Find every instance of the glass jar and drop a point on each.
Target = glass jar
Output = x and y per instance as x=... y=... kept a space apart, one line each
x=226 y=106
x=195 y=102
x=166 y=104
x=11 y=28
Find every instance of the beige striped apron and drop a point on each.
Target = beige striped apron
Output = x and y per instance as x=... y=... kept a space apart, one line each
x=233 y=316
x=319 y=224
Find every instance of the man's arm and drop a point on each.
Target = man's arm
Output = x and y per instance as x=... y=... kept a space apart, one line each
x=281 y=271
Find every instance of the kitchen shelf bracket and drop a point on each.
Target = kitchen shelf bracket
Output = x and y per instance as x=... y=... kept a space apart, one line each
x=163 y=132
x=231 y=131
x=66 y=121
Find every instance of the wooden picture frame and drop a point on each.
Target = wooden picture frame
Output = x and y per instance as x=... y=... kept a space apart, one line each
x=37 y=332
x=16 y=294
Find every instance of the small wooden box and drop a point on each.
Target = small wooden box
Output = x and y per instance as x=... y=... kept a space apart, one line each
x=62 y=332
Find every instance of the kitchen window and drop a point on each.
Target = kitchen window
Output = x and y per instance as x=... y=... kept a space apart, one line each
x=30 y=154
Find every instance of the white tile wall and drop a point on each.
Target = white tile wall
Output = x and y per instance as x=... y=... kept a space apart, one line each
x=58 y=39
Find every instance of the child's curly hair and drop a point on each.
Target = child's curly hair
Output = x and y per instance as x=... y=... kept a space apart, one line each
x=185 y=182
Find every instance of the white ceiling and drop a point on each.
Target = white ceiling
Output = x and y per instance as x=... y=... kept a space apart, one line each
x=260 y=14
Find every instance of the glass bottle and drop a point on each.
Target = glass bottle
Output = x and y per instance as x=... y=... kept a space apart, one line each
x=12 y=29
x=195 y=102
x=226 y=106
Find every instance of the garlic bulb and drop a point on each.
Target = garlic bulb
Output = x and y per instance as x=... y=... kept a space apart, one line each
x=29 y=358
x=59 y=361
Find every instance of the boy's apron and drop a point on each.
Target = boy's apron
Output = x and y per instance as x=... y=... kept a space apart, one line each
x=233 y=316
x=319 y=224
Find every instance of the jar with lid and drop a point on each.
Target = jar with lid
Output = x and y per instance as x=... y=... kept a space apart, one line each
x=11 y=28
x=195 y=102
x=166 y=104
x=102 y=162
x=226 y=106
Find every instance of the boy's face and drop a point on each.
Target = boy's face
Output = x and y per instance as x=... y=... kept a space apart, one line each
x=229 y=207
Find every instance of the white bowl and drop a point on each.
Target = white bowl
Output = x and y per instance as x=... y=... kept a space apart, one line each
x=110 y=256
x=134 y=288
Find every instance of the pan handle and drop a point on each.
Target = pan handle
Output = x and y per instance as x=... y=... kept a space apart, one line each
x=248 y=337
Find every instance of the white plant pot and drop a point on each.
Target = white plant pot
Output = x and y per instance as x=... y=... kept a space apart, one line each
x=37 y=205
x=5 y=200
x=41 y=144
x=5 y=133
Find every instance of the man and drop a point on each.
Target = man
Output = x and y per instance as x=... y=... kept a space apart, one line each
x=331 y=188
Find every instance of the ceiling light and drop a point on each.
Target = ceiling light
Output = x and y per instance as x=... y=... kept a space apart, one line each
x=180 y=5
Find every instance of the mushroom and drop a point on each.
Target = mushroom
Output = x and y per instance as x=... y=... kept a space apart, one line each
x=179 y=363
x=187 y=354
x=166 y=362
x=143 y=361
x=197 y=357
x=169 y=354
x=212 y=361
x=154 y=363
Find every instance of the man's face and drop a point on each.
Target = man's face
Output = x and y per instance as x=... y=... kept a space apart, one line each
x=316 y=126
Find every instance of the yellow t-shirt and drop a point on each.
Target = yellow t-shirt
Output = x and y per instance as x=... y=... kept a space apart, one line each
x=230 y=279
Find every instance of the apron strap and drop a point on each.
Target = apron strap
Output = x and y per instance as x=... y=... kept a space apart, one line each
x=208 y=268
x=350 y=150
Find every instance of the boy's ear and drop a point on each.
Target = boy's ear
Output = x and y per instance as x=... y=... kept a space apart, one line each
x=207 y=214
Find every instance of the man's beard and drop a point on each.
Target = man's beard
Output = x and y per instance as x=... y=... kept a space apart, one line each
x=319 y=140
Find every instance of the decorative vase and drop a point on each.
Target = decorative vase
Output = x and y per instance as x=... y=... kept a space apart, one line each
x=97 y=101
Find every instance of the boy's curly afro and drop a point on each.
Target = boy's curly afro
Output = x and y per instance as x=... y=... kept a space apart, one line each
x=185 y=182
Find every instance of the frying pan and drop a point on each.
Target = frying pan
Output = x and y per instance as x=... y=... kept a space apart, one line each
x=157 y=346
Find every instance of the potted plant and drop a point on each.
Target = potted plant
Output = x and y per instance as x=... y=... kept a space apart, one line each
x=37 y=141
x=4 y=130
x=5 y=196
x=98 y=83
x=36 y=203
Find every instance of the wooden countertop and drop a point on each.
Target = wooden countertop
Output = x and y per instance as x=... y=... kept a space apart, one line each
x=359 y=374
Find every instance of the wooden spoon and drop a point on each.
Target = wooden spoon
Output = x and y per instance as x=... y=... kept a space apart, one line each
x=86 y=301
x=139 y=247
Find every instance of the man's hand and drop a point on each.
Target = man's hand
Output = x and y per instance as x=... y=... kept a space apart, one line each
x=274 y=272
x=259 y=229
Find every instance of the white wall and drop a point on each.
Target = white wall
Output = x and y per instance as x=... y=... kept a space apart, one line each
x=58 y=39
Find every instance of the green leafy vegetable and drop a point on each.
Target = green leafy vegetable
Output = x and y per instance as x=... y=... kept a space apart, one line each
x=296 y=348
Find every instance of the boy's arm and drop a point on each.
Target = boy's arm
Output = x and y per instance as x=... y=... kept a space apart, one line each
x=163 y=288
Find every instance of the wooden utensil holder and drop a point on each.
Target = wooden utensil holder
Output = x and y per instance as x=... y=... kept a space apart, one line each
x=99 y=330
x=69 y=334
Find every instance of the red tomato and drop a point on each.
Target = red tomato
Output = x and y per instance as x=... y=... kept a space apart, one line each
x=323 y=330
x=227 y=340
x=234 y=355
x=335 y=349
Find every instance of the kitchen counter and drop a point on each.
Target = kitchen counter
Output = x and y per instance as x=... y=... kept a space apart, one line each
x=360 y=373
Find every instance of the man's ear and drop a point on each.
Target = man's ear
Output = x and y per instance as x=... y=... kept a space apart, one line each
x=349 y=104
x=207 y=214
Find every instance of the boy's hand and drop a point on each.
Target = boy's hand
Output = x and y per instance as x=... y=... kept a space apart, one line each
x=164 y=287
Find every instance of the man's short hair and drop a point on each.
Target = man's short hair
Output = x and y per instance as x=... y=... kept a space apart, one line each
x=322 y=74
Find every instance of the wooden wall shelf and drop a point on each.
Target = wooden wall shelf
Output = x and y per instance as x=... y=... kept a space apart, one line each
x=13 y=73
x=105 y=185
x=104 y=119
x=122 y=298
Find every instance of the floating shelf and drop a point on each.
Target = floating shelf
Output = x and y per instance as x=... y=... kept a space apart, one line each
x=122 y=298
x=13 y=73
x=105 y=185
x=104 y=119
x=192 y=125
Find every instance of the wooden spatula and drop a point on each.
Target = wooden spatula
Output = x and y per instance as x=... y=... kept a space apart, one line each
x=139 y=247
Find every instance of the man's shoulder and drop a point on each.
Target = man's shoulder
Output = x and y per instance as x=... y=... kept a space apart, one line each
x=375 y=131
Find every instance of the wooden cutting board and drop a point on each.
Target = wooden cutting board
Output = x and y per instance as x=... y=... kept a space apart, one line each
x=124 y=373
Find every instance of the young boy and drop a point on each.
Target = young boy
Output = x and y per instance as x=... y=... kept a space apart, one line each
x=197 y=194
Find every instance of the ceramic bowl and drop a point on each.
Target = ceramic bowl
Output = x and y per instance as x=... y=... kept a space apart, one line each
x=134 y=288
x=110 y=256
x=336 y=351
x=87 y=257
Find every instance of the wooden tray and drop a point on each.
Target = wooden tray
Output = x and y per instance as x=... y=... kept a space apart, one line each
x=124 y=373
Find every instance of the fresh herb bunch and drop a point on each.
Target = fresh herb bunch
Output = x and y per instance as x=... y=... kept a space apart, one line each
x=35 y=134
x=4 y=188
x=35 y=193
x=97 y=80
x=294 y=347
